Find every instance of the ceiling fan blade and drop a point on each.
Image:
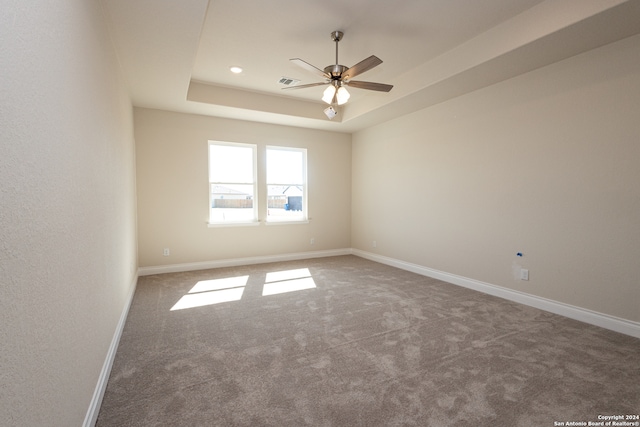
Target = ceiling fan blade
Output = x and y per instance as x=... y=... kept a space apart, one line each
x=380 y=87
x=304 y=86
x=361 y=67
x=315 y=70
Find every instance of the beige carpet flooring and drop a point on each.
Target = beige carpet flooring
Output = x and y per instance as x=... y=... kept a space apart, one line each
x=344 y=341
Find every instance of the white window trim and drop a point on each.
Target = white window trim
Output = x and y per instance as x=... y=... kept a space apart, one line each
x=287 y=222
x=256 y=218
x=305 y=195
x=232 y=224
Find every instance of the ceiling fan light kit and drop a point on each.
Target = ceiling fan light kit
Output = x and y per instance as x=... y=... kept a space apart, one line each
x=338 y=76
x=328 y=94
x=336 y=94
x=342 y=96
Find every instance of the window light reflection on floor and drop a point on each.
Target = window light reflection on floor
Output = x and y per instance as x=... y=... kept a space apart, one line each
x=215 y=291
x=280 y=282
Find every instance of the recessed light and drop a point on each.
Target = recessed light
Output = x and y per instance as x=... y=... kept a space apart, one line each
x=235 y=70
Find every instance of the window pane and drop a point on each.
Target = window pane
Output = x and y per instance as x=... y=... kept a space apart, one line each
x=231 y=203
x=286 y=184
x=284 y=167
x=284 y=203
x=232 y=183
x=230 y=164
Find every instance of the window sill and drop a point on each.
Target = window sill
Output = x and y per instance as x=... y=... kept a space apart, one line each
x=232 y=224
x=256 y=223
x=302 y=221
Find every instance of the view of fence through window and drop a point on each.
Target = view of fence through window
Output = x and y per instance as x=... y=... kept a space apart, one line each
x=232 y=185
x=286 y=184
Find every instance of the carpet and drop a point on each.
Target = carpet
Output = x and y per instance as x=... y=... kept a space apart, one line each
x=343 y=341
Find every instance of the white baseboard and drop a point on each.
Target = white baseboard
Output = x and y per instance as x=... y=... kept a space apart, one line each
x=616 y=324
x=176 y=268
x=94 y=407
x=613 y=323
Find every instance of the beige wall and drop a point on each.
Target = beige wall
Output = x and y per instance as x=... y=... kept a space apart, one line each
x=545 y=164
x=173 y=198
x=67 y=208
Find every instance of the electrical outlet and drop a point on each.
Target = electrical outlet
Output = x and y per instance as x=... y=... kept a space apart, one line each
x=166 y=252
x=375 y=244
x=524 y=274
x=313 y=240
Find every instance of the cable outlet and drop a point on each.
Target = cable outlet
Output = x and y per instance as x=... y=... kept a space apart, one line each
x=166 y=252
x=524 y=274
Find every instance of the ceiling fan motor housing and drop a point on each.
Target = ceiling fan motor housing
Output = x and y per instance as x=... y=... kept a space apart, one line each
x=335 y=71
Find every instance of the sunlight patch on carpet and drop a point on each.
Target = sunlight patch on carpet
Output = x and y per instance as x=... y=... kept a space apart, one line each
x=216 y=291
x=281 y=282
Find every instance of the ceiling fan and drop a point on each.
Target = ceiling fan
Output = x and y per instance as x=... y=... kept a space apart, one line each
x=338 y=76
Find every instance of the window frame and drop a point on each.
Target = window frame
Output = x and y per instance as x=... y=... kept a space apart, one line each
x=305 y=194
x=254 y=167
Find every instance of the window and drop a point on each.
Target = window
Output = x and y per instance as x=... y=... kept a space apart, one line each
x=232 y=183
x=286 y=184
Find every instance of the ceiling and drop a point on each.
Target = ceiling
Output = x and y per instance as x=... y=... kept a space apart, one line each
x=176 y=55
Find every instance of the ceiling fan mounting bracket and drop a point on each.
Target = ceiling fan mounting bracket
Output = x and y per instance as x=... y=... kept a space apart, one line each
x=336 y=36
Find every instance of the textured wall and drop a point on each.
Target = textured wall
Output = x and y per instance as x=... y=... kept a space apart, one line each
x=545 y=164
x=173 y=198
x=67 y=210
